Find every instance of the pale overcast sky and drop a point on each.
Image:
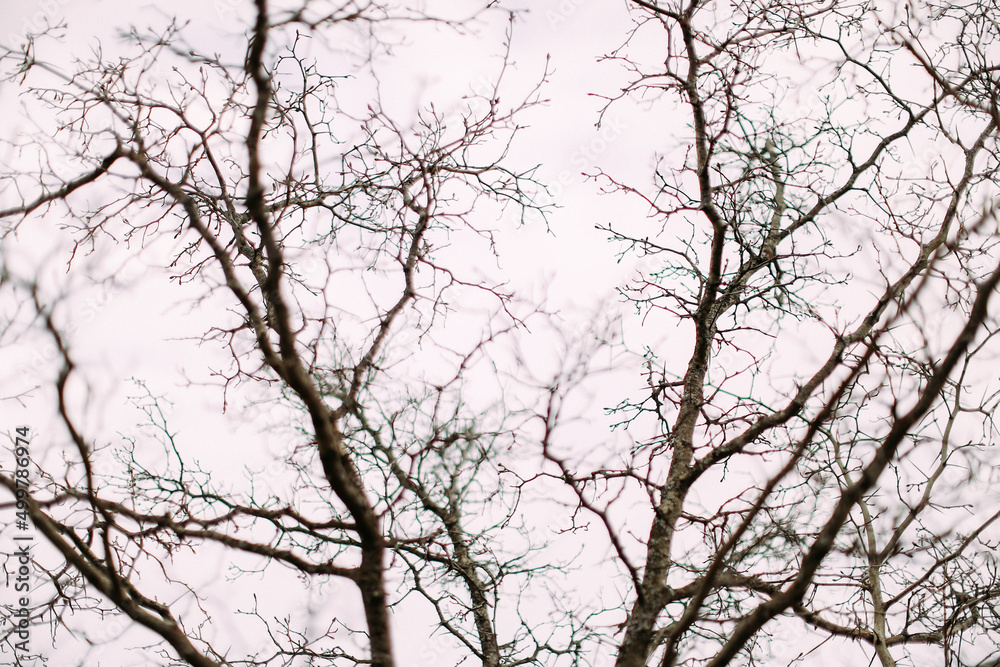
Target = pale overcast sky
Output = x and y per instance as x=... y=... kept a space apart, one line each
x=142 y=326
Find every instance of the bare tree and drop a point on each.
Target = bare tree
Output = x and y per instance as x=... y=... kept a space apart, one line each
x=823 y=232
x=288 y=200
x=808 y=446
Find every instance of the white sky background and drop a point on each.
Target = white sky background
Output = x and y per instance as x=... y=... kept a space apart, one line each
x=144 y=327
